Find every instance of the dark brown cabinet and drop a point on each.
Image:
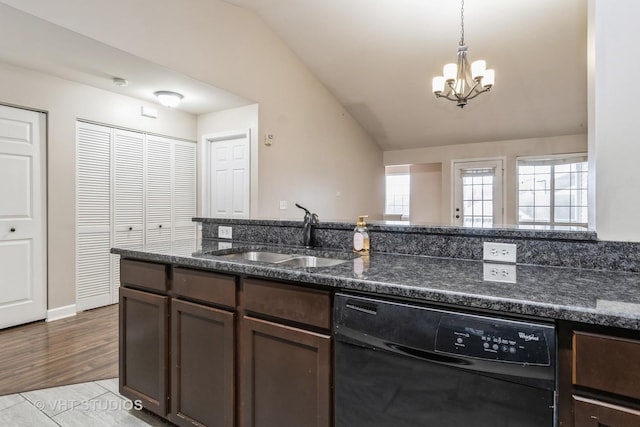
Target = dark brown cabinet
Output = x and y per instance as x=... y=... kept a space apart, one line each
x=190 y=358
x=285 y=376
x=593 y=413
x=605 y=375
x=202 y=365
x=144 y=348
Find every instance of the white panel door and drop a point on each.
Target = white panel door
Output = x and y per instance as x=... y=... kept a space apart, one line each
x=184 y=191
x=158 y=195
x=128 y=197
x=229 y=171
x=478 y=198
x=93 y=216
x=23 y=287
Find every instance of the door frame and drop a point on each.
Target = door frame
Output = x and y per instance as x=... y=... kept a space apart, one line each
x=502 y=192
x=205 y=167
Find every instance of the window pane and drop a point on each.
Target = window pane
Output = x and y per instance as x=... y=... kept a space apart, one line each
x=542 y=214
x=563 y=197
x=525 y=214
x=542 y=182
x=562 y=214
x=563 y=180
x=525 y=198
x=542 y=198
x=527 y=182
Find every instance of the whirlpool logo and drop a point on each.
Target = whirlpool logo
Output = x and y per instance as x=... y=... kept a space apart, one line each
x=528 y=337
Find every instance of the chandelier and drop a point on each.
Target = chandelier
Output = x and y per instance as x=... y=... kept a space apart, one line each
x=460 y=82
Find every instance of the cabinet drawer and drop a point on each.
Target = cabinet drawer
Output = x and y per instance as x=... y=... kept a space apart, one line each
x=205 y=286
x=607 y=363
x=302 y=305
x=148 y=275
x=592 y=413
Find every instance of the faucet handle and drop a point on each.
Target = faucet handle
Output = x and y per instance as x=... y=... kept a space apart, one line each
x=314 y=218
x=304 y=209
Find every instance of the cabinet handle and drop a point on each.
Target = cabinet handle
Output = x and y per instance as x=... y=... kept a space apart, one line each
x=130 y=228
x=12 y=229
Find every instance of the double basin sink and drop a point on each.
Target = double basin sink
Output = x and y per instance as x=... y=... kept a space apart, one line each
x=291 y=260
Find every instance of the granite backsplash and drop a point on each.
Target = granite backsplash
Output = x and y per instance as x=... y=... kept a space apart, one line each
x=561 y=248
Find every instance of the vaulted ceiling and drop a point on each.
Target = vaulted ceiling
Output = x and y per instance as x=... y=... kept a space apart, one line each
x=378 y=58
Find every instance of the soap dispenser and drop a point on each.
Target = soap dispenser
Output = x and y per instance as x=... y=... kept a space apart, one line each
x=361 y=236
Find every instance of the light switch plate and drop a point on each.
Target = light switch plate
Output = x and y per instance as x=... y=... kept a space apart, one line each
x=224 y=232
x=496 y=272
x=501 y=252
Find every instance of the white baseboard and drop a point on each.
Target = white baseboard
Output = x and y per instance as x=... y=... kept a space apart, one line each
x=61 y=312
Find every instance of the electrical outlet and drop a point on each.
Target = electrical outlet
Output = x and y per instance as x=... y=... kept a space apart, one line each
x=224 y=245
x=224 y=232
x=501 y=252
x=495 y=272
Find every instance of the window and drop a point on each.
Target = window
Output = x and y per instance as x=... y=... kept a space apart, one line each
x=397 y=191
x=553 y=191
x=477 y=197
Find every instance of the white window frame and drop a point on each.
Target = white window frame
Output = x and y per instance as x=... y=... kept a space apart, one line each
x=551 y=222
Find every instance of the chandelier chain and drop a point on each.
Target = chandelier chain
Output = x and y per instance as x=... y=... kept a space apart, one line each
x=462 y=24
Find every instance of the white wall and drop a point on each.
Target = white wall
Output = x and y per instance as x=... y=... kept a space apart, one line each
x=65 y=102
x=507 y=150
x=319 y=150
x=614 y=145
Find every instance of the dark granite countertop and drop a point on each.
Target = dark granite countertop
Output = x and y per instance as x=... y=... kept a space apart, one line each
x=592 y=296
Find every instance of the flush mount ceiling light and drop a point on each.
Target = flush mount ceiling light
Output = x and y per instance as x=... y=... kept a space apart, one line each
x=120 y=82
x=460 y=82
x=168 y=98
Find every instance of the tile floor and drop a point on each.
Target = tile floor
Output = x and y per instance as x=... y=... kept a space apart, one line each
x=89 y=404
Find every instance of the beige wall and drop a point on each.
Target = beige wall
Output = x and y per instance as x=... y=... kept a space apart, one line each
x=506 y=150
x=320 y=158
x=426 y=193
x=65 y=102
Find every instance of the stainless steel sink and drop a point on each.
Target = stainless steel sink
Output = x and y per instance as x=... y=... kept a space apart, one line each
x=291 y=260
x=312 y=261
x=263 y=256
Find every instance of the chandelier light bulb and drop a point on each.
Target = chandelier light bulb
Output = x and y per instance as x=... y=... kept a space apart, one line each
x=478 y=68
x=489 y=78
x=450 y=71
x=438 y=84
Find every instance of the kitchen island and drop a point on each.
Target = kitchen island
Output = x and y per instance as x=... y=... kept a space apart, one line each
x=593 y=310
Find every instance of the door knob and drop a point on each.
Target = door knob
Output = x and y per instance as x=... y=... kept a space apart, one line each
x=13 y=230
x=457 y=216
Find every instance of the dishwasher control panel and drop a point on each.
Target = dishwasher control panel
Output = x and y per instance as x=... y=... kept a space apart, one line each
x=494 y=339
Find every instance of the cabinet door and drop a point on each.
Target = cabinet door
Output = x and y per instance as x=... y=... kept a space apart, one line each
x=592 y=413
x=202 y=365
x=93 y=216
x=285 y=376
x=184 y=190
x=128 y=195
x=144 y=348
x=158 y=195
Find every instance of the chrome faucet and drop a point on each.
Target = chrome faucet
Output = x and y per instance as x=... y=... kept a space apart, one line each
x=310 y=219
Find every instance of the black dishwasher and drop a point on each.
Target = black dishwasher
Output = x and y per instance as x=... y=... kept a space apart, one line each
x=408 y=365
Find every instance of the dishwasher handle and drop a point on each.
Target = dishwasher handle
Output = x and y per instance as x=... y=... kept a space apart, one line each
x=427 y=355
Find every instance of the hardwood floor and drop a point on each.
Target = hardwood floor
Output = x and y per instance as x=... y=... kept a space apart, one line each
x=77 y=349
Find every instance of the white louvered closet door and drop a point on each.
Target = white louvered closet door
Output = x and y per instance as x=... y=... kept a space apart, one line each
x=128 y=197
x=184 y=192
x=158 y=167
x=93 y=210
